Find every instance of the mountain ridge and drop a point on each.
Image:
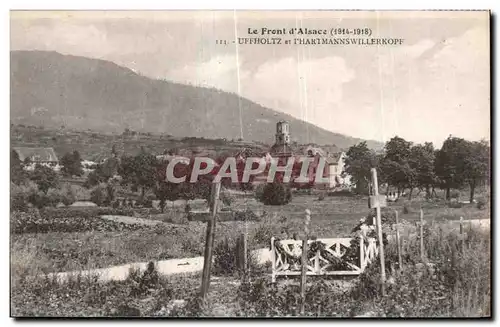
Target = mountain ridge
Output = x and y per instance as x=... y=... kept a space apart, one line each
x=53 y=90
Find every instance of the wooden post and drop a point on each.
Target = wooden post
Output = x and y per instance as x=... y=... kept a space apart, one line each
x=422 y=254
x=245 y=254
x=244 y=240
x=362 y=262
x=398 y=241
x=273 y=261
x=462 y=237
x=304 y=263
x=379 y=231
x=209 y=241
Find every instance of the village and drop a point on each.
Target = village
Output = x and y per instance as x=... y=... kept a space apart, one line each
x=124 y=196
x=201 y=164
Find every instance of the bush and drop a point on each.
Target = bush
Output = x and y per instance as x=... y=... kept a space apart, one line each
x=20 y=195
x=276 y=194
x=482 y=203
x=246 y=215
x=226 y=198
x=259 y=191
x=454 y=204
x=263 y=234
x=454 y=194
x=406 y=208
x=64 y=195
x=227 y=258
x=80 y=193
x=98 y=195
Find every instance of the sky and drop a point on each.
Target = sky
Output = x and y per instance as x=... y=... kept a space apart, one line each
x=436 y=84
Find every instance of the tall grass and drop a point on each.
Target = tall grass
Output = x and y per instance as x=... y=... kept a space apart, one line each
x=453 y=281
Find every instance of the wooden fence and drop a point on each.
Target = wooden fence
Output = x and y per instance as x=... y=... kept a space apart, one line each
x=283 y=250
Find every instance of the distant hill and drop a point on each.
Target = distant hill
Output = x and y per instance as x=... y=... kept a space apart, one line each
x=53 y=90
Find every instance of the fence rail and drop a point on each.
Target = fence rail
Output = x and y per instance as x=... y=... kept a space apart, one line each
x=318 y=265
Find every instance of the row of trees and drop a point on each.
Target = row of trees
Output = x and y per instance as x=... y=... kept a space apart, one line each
x=404 y=165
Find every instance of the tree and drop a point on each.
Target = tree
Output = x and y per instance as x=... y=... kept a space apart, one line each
x=17 y=174
x=422 y=159
x=45 y=178
x=165 y=190
x=276 y=194
x=450 y=163
x=395 y=165
x=358 y=162
x=476 y=165
x=72 y=164
x=139 y=171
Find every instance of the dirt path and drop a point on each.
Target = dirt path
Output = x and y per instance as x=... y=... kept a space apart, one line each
x=132 y=220
x=164 y=267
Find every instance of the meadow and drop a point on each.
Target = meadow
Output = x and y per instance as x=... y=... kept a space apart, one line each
x=35 y=254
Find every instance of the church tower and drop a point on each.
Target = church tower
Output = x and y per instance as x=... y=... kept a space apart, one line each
x=282 y=147
x=282 y=133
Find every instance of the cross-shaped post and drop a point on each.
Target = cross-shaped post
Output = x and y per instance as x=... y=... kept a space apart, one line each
x=377 y=202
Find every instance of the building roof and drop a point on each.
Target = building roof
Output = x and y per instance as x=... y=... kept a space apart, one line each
x=281 y=149
x=37 y=154
x=331 y=158
x=247 y=153
x=315 y=151
x=335 y=156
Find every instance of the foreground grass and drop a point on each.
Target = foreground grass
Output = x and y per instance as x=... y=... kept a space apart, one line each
x=332 y=217
x=458 y=284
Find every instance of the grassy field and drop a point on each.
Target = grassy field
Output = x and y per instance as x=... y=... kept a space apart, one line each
x=333 y=216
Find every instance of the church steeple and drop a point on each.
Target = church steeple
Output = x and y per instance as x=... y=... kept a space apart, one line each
x=282 y=133
x=281 y=147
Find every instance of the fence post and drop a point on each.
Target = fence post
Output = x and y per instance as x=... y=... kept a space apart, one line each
x=245 y=254
x=362 y=262
x=209 y=241
x=273 y=263
x=398 y=241
x=304 y=263
x=422 y=254
x=379 y=231
x=462 y=237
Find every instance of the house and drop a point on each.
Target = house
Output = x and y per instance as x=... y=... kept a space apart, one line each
x=37 y=155
x=335 y=163
x=33 y=156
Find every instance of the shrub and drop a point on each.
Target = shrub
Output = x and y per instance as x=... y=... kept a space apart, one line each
x=263 y=234
x=454 y=204
x=276 y=194
x=259 y=191
x=80 y=193
x=246 y=215
x=98 y=195
x=20 y=195
x=227 y=257
x=454 y=194
x=406 y=208
x=481 y=203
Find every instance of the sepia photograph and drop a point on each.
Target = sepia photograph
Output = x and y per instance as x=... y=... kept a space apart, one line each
x=250 y=164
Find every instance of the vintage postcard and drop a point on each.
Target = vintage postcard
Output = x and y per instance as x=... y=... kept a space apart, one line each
x=322 y=164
